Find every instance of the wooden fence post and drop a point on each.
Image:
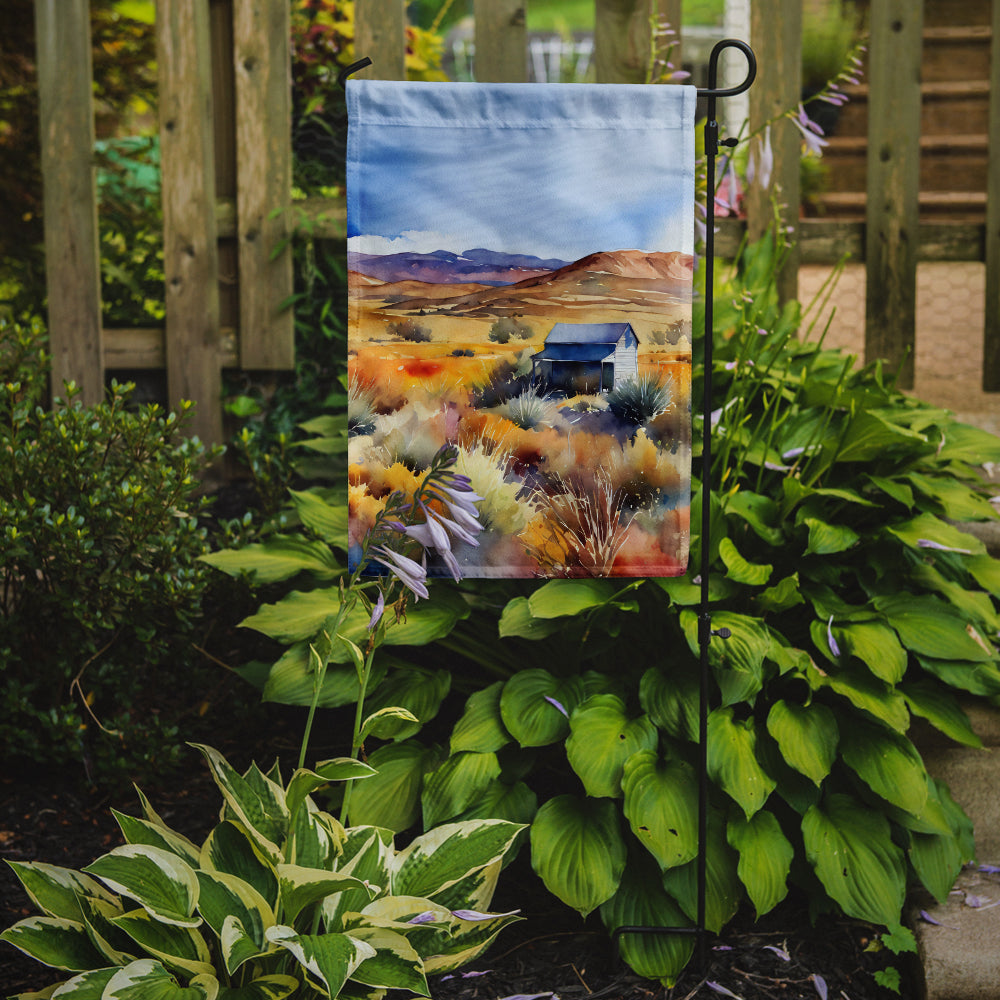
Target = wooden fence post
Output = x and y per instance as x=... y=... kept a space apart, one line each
x=380 y=34
x=623 y=37
x=893 y=183
x=262 y=61
x=776 y=34
x=190 y=251
x=501 y=41
x=72 y=255
x=991 y=332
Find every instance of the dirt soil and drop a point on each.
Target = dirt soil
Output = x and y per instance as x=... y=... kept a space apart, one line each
x=551 y=953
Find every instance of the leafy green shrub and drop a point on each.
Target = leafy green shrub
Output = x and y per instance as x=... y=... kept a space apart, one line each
x=854 y=605
x=99 y=539
x=280 y=899
x=639 y=399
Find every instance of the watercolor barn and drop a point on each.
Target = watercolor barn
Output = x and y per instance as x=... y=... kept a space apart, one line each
x=586 y=357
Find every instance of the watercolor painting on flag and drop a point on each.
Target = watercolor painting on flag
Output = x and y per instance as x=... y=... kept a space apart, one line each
x=520 y=280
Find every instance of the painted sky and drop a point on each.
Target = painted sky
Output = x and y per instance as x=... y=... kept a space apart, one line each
x=560 y=177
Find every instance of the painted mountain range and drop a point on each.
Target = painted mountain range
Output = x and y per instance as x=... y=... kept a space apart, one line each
x=484 y=267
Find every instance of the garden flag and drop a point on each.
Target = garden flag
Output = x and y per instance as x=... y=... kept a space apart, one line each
x=520 y=279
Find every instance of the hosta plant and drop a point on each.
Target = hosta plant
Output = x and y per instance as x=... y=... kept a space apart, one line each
x=279 y=900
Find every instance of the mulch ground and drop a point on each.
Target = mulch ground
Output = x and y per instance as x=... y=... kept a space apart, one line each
x=550 y=953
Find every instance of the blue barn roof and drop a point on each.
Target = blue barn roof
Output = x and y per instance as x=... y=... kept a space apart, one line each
x=587 y=333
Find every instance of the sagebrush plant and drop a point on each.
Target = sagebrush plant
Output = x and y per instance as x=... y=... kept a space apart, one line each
x=854 y=603
x=279 y=899
x=100 y=584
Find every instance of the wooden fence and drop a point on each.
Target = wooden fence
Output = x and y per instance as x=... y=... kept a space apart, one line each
x=226 y=161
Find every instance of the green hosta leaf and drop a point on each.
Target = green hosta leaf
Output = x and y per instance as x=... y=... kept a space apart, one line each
x=279 y=558
x=738 y=661
x=758 y=511
x=301 y=887
x=931 y=628
x=481 y=728
x=876 y=646
x=976 y=678
x=641 y=901
x=230 y=849
x=418 y=691
x=386 y=723
x=147 y=979
x=443 y=856
x=671 y=700
x=304 y=782
x=327 y=520
x=86 y=986
x=395 y=964
x=732 y=760
x=561 y=598
x=783 y=595
x=937 y=860
x=865 y=692
x=56 y=891
x=893 y=488
x=141 y=831
x=602 y=738
x=54 y=941
x=888 y=763
x=517 y=620
x=765 y=858
x=578 y=851
x=739 y=569
x=723 y=889
x=975 y=605
x=965 y=443
x=957 y=501
x=330 y=959
x=928 y=528
x=292 y=681
x=941 y=709
x=528 y=710
x=807 y=736
x=391 y=798
x=871 y=435
x=828 y=539
x=180 y=948
x=260 y=809
x=159 y=881
x=986 y=572
x=456 y=784
x=850 y=848
x=516 y=803
x=275 y=987
x=661 y=798
x=225 y=897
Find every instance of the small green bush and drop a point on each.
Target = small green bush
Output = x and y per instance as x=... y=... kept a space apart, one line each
x=99 y=578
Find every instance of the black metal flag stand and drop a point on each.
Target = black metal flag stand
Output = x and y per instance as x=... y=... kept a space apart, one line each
x=705 y=631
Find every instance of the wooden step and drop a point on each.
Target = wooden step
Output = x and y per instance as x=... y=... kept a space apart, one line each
x=956 y=53
x=956 y=206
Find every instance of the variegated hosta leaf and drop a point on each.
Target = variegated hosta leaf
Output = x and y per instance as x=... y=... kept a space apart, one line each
x=850 y=847
x=578 y=851
x=395 y=964
x=274 y=987
x=456 y=784
x=888 y=763
x=602 y=737
x=481 y=727
x=468 y=939
x=256 y=801
x=149 y=980
x=315 y=838
x=732 y=760
x=807 y=736
x=418 y=691
x=55 y=941
x=225 y=897
x=661 y=799
x=765 y=858
x=301 y=887
x=86 y=986
x=441 y=857
x=723 y=889
x=475 y=891
x=177 y=947
x=642 y=902
x=367 y=853
x=391 y=799
x=304 y=782
x=329 y=959
x=535 y=706
x=56 y=891
x=141 y=831
x=158 y=880
x=116 y=947
x=230 y=849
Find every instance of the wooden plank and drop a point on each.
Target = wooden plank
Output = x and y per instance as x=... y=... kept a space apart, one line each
x=144 y=348
x=190 y=253
x=991 y=332
x=380 y=34
x=72 y=256
x=621 y=40
x=893 y=184
x=776 y=36
x=262 y=62
x=501 y=41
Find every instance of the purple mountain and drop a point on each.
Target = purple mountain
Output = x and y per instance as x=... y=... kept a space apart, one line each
x=484 y=267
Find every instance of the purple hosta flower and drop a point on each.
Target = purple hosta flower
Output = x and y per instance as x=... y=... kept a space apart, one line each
x=719 y=988
x=427 y=917
x=928 y=543
x=780 y=952
x=411 y=574
x=377 y=611
x=475 y=915
x=820 y=983
x=558 y=705
x=811 y=132
x=831 y=642
x=761 y=162
x=727 y=198
x=990 y=869
x=927 y=918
